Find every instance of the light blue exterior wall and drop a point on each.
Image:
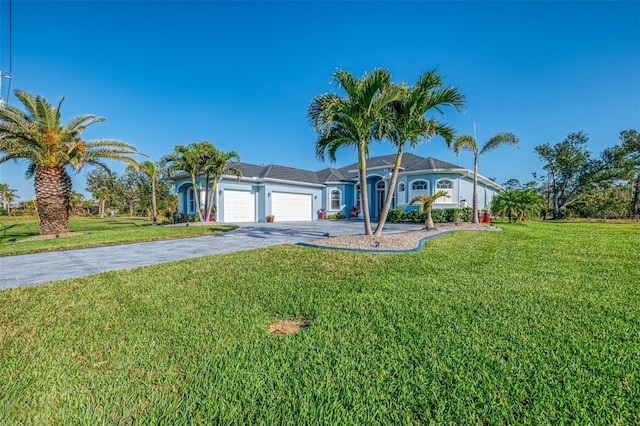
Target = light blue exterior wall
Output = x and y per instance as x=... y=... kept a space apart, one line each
x=320 y=195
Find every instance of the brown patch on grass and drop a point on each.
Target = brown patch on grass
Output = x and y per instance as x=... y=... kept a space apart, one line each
x=288 y=326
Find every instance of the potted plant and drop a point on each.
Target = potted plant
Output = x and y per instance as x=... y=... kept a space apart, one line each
x=355 y=211
x=270 y=218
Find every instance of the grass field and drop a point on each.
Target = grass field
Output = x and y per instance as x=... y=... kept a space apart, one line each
x=539 y=324
x=92 y=232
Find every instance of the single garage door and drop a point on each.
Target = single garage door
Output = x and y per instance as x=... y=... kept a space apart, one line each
x=239 y=206
x=290 y=207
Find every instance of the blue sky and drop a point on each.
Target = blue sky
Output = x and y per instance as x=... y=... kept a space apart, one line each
x=242 y=74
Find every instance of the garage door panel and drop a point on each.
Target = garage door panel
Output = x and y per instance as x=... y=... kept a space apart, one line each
x=291 y=207
x=239 y=206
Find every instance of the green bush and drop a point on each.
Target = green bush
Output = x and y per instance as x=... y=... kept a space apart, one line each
x=397 y=215
x=414 y=216
x=336 y=216
x=466 y=214
x=438 y=216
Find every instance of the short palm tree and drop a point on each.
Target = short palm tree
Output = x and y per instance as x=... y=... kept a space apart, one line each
x=150 y=169
x=353 y=121
x=469 y=143
x=425 y=205
x=409 y=124
x=50 y=148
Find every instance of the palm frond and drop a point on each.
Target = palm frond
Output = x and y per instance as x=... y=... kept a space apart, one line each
x=505 y=138
x=465 y=142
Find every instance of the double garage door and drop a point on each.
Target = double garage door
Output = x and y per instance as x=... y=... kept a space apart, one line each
x=291 y=207
x=240 y=206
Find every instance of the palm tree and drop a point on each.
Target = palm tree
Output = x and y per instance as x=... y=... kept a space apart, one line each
x=8 y=195
x=150 y=169
x=425 y=205
x=50 y=148
x=409 y=124
x=469 y=143
x=214 y=165
x=353 y=121
x=187 y=159
x=517 y=203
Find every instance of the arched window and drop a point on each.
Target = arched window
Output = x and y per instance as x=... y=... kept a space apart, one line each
x=401 y=193
x=334 y=199
x=445 y=185
x=418 y=187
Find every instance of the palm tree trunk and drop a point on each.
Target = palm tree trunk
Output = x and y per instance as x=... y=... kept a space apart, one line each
x=154 y=207
x=474 y=216
x=53 y=190
x=429 y=222
x=392 y=186
x=363 y=190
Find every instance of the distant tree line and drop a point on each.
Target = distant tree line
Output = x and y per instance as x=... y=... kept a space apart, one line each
x=578 y=184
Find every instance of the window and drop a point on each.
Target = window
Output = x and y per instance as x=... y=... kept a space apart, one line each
x=334 y=197
x=191 y=202
x=358 y=196
x=418 y=187
x=445 y=185
x=401 y=193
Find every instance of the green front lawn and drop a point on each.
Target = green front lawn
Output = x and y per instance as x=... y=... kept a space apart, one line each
x=93 y=232
x=538 y=324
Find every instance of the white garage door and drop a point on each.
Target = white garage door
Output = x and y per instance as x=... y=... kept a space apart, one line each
x=239 y=206
x=290 y=207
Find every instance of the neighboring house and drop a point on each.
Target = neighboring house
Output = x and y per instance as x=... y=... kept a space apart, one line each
x=298 y=195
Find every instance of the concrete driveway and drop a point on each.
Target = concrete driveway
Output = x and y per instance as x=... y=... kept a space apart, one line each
x=38 y=268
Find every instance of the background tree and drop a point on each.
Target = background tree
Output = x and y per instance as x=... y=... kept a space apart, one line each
x=469 y=143
x=425 y=205
x=130 y=187
x=409 y=124
x=353 y=121
x=50 y=148
x=7 y=196
x=570 y=170
x=104 y=185
x=628 y=156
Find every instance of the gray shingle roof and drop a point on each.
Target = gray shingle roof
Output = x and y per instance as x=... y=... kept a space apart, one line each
x=410 y=162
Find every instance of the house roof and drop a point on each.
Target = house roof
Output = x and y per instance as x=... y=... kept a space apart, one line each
x=410 y=163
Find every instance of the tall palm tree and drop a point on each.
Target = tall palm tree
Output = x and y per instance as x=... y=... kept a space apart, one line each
x=409 y=123
x=150 y=169
x=469 y=143
x=215 y=164
x=50 y=148
x=353 y=121
x=425 y=205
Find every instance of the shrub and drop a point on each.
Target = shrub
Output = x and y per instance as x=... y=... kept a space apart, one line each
x=336 y=216
x=466 y=214
x=414 y=216
x=438 y=216
x=451 y=215
x=396 y=215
